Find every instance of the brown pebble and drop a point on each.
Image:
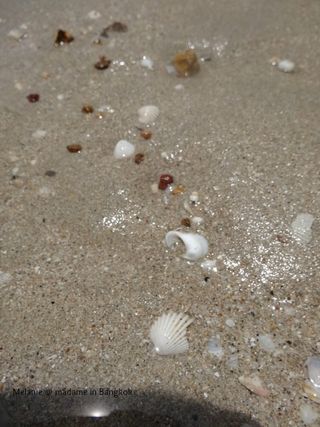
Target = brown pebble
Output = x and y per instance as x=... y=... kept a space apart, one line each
x=146 y=134
x=116 y=27
x=33 y=97
x=87 y=109
x=50 y=173
x=281 y=238
x=74 y=148
x=103 y=63
x=186 y=63
x=179 y=189
x=63 y=37
x=186 y=222
x=138 y=158
x=164 y=181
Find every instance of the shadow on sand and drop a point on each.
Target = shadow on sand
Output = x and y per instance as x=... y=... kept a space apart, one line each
x=139 y=409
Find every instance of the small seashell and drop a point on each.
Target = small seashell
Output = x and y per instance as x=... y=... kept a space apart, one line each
x=301 y=227
x=286 y=65
x=215 y=348
x=168 y=333
x=308 y=414
x=148 y=114
x=123 y=149
x=196 y=245
x=254 y=384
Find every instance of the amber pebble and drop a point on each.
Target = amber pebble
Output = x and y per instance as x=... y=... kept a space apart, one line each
x=33 y=97
x=63 y=37
x=87 y=109
x=186 y=63
x=138 y=158
x=103 y=63
x=164 y=181
x=186 y=222
x=146 y=134
x=74 y=148
x=179 y=189
x=118 y=27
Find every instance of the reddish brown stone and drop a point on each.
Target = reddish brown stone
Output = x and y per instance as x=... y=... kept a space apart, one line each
x=164 y=181
x=74 y=148
x=138 y=158
x=63 y=37
x=33 y=97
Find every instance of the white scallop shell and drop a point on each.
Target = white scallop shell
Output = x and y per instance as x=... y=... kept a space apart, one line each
x=301 y=227
x=123 y=149
x=196 y=245
x=168 y=333
x=148 y=114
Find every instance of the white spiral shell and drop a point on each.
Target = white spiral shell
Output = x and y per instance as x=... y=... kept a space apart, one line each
x=168 y=333
x=196 y=245
x=148 y=114
x=301 y=227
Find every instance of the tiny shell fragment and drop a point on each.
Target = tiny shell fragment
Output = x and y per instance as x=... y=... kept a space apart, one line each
x=74 y=148
x=103 y=63
x=254 y=384
x=63 y=37
x=186 y=63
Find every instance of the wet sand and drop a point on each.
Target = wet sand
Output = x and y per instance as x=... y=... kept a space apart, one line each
x=84 y=268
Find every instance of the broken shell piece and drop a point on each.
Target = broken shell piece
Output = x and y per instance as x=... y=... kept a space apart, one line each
x=196 y=245
x=254 y=384
x=194 y=197
x=301 y=227
x=313 y=365
x=266 y=343
x=123 y=149
x=168 y=333
x=312 y=392
x=186 y=63
x=286 y=66
x=148 y=114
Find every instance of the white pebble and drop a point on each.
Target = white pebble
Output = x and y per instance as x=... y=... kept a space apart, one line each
x=266 y=343
x=179 y=87
x=194 y=197
x=94 y=14
x=154 y=187
x=214 y=347
x=4 y=278
x=39 y=134
x=197 y=220
x=123 y=149
x=308 y=414
x=60 y=97
x=230 y=323
x=18 y=85
x=209 y=265
x=286 y=66
x=147 y=62
x=17 y=34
